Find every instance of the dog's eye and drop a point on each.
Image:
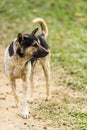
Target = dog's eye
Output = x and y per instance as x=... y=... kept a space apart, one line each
x=35 y=44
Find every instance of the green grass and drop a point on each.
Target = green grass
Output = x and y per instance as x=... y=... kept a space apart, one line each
x=62 y=116
x=67 y=23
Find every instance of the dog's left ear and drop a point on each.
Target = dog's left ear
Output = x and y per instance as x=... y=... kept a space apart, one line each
x=34 y=31
x=19 y=37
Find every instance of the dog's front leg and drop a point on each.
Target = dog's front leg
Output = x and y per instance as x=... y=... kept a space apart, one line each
x=13 y=86
x=25 y=113
x=31 y=84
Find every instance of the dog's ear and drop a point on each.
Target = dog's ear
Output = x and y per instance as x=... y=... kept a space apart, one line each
x=19 y=37
x=34 y=31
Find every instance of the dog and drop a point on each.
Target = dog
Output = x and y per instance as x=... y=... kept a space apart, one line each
x=20 y=60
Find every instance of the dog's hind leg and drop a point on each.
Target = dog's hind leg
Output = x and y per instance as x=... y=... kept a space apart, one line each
x=45 y=62
x=13 y=86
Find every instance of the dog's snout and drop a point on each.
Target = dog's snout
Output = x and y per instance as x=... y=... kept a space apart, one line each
x=45 y=53
x=40 y=53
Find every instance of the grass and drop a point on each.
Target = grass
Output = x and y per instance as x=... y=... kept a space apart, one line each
x=62 y=116
x=67 y=23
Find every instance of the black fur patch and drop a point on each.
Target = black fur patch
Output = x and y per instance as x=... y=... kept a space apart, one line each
x=41 y=53
x=10 y=49
x=43 y=43
x=19 y=53
x=33 y=61
x=28 y=40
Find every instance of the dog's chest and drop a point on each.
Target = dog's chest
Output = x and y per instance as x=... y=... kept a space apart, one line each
x=17 y=68
x=18 y=71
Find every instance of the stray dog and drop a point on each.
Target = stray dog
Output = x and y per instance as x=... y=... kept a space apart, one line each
x=20 y=59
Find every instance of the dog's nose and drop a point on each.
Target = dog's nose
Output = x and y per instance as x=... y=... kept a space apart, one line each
x=45 y=53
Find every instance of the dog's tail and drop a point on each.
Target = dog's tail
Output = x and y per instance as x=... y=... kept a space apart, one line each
x=43 y=25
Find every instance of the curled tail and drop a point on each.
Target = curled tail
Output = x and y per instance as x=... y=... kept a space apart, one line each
x=43 y=25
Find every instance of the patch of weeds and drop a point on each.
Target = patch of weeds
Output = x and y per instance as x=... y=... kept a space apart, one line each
x=61 y=115
x=80 y=119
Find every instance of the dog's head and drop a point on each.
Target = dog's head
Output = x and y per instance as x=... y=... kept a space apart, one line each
x=30 y=45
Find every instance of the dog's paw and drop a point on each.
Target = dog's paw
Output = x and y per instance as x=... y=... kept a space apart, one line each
x=14 y=105
x=48 y=98
x=25 y=114
x=30 y=100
